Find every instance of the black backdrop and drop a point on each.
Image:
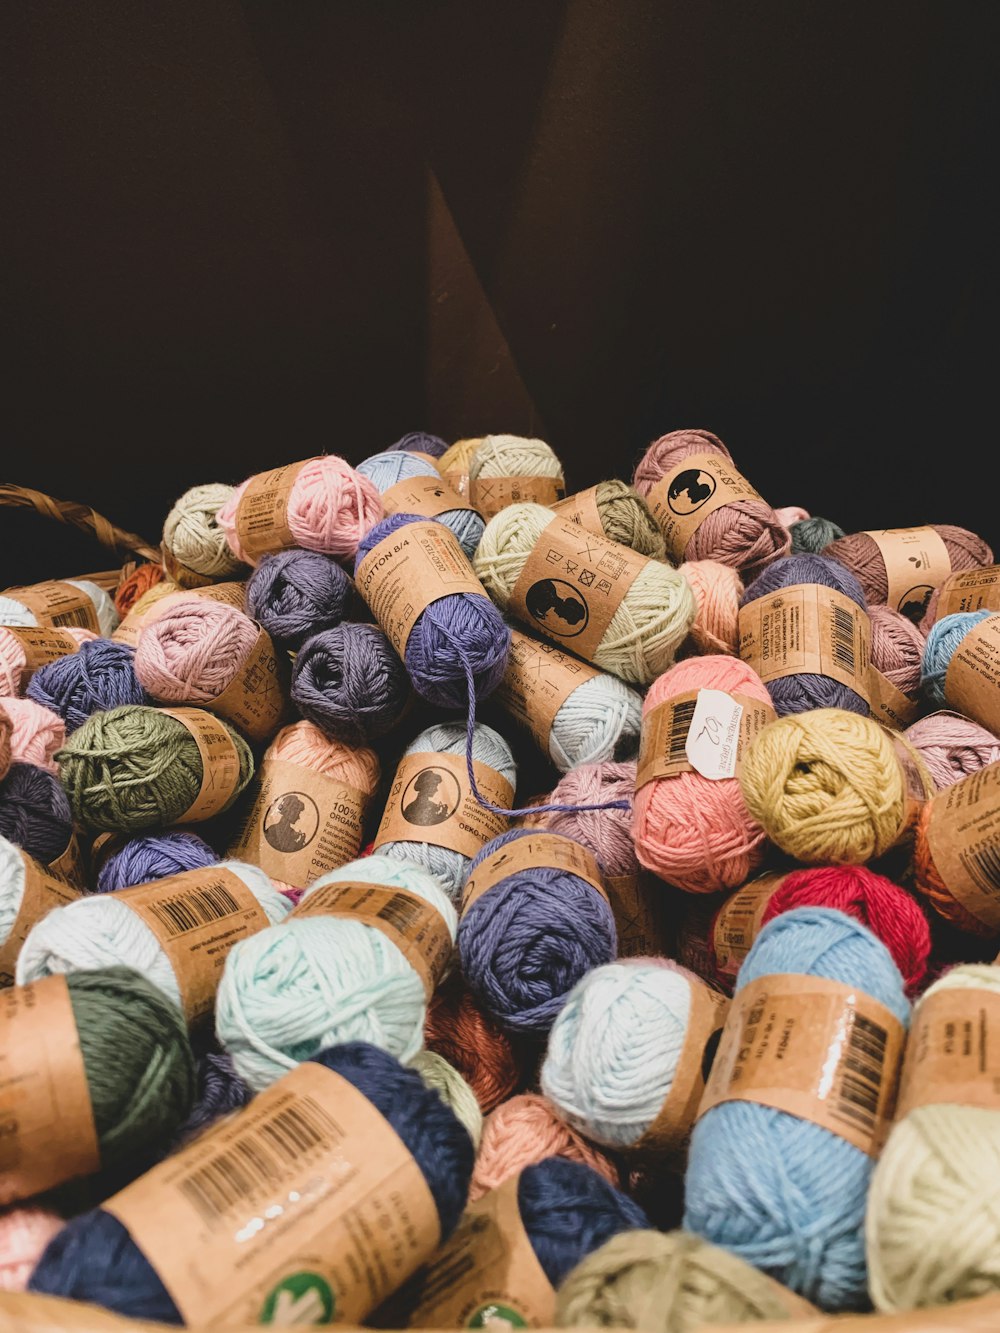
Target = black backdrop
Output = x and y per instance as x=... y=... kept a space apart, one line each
x=240 y=233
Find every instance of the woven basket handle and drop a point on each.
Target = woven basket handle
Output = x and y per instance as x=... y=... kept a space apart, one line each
x=78 y=516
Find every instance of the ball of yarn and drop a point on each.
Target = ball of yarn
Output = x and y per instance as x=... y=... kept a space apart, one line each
x=34 y=812
x=386 y=469
x=859 y=553
x=318 y=981
x=650 y=623
x=24 y=1234
x=717 y=590
x=789 y=514
x=458 y=639
x=220 y=1092
x=303 y=743
x=455 y=462
x=826 y=786
x=813 y=535
x=935 y=889
x=419 y=442
x=135 y=768
x=607 y=833
x=453 y=1090
x=692 y=831
x=897 y=648
x=99 y=930
x=6 y=728
x=94 y=1259
x=931 y=1228
x=13 y=662
x=330 y=508
x=154 y=856
x=793 y=1204
x=526 y=1130
x=37 y=733
x=99 y=676
x=14 y=612
x=461 y=1031
x=804 y=690
x=192 y=652
x=488 y=747
x=942 y=644
x=192 y=534
x=625 y=518
x=952 y=746
x=350 y=682
x=746 y=534
x=136 y=585
x=529 y=939
x=599 y=721
x=515 y=456
x=295 y=594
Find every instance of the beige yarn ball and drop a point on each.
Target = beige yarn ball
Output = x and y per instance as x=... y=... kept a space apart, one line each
x=625 y=518
x=515 y=456
x=451 y=1087
x=193 y=537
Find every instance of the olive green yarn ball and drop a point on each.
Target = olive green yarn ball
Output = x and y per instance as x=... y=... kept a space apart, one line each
x=626 y=519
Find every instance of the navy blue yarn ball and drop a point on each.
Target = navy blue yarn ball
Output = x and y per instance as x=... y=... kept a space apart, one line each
x=35 y=812
x=99 y=676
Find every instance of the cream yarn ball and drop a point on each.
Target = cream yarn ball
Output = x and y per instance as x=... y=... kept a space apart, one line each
x=451 y=1087
x=192 y=534
x=515 y=456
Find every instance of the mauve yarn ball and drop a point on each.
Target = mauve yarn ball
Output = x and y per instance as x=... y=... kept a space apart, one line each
x=99 y=676
x=295 y=594
x=859 y=553
x=350 y=682
x=952 y=746
x=419 y=442
x=35 y=812
x=154 y=856
x=897 y=649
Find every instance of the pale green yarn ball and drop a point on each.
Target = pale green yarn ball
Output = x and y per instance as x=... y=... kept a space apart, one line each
x=515 y=456
x=451 y=1087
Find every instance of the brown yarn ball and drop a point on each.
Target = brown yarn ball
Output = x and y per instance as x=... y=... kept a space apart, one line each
x=897 y=649
x=465 y=1035
x=860 y=554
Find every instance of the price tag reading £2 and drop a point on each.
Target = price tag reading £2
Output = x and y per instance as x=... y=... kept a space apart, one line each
x=713 y=737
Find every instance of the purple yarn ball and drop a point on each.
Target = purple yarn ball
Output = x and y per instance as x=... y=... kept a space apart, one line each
x=99 y=676
x=220 y=1091
x=296 y=593
x=458 y=634
x=154 y=856
x=350 y=683
x=35 y=812
x=805 y=691
x=527 y=941
x=417 y=442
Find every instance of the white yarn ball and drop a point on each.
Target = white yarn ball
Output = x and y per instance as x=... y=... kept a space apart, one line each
x=11 y=886
x=515 y=456
x=600 y=720
x=16 y=614
x=192 y=534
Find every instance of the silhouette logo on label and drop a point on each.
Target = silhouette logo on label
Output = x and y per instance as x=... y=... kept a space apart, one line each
x=689 y=490
x=558 y=606
x=431 y=796
x=291 y=822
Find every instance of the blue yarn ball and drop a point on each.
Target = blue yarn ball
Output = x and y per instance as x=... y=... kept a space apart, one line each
x=154 y=856
x=220 y=1091
x=456 y=632
x=783 y=1193
x=942 y=644
x=805 y=691
x=527 y=941
x=99 y=676
x=394 y=465
x=35 y=812
x=350 y=682
x=297 y=593
x=418 y=442
x=94 y=1258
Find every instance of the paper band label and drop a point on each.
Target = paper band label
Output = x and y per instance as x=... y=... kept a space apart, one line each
x=254 y=700
x=918 y=787
x=890 y=706
x=491 y=494
x=972 y=681
x=916 y=562
x=693 y=489
x=69 y=865
x=537 y=851
x=739 y=921
x=430 y=801
x=539 y=679
x=970 y=590
x=183 y=575
x=197 y=917
x=164 y=597
x=407 y=571
x=818 y=1049
x=302 y=1208
x=572 y=584
x=807 y=628
x=417 y=929
x=641 y=910
x=963 y=833
x=42 y=892
x=299 y=824
x=47 y=1133
x=40 y=647
x=58 y=605
x=582 y=510
x=262 y=513
x=727 y=725
x=220 y=763
x=953 y=1052
x=428 y=496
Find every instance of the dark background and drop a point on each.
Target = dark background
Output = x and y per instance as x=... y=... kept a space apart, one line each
x=241 y=233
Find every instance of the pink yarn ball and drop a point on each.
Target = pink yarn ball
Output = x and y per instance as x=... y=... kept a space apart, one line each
x=526 y=1130
x=953 y=746
x=607 y=834
x=12 y=660
x=24 y=1234
x=792 y=514
x=897 y=648
x=194 y=651
x=717 y=591
x=36 y=733
x=860 y=554
x=692 y=831
x=330 y=508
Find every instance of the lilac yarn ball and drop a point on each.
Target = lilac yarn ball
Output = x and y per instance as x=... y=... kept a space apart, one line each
x=418 y=442
x=804 y=691
x=35 y=812
x=527 y=941
x=297 y=593
x=461 y=635
x=99 y=676
x=350 y=683
x=220 y=1091
x=154 y=856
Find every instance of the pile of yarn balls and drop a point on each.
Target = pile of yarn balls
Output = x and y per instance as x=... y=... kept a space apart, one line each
x=552 y=1039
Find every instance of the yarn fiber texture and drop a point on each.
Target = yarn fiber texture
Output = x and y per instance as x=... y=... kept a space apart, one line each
x=606 y=834
x=935 y=889
x=24 y=1234
x=515 y=456
x=34 y=812
x=94 y=1258
x=330 y=508
x=464 y=1034
x=15 y=613
x=826 y=786
x=135 y=768
x=814 y=534
x=220 y=1092
x=789 y=514
x=136 y=584
x=419 y=442
x=100 y=675
x=192 y=652
x=154 y=856
x=746 y=534
x=6 y=728
x=696 y=832
x=952 y=746
x=36 y=735
x=451 y=1087
x=717 y=590
x=193 y=535
x=650 y=623
x=625 y=519
x=349 y=681
x=526 y=1130
x=897 y=649
x=526 y=942
x=859 y=553
x=296 y=594
x=13 y=663
x=12 y=877
x=292 y=991
x=942 y=644
x=386 y=469
x=599 y=721
x=782 y=1193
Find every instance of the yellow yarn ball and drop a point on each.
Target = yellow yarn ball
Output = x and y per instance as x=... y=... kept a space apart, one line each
x=459 y=456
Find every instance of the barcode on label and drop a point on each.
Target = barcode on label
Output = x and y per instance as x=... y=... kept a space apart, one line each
x=77 y=616
x=401 y=912
x=842 y=630
x=856 y=1098
x=194 y=908
x=680 y=725
x=983 y=867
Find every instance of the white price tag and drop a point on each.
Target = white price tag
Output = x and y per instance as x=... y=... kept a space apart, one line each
x=713 y=735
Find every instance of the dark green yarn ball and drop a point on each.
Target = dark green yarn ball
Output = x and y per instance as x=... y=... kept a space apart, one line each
x=811 y=535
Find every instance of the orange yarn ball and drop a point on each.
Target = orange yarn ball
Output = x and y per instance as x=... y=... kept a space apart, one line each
x=717 y=591
x=929 y=884
x=472 y=1043
x=526 y=1130
x=142 y=578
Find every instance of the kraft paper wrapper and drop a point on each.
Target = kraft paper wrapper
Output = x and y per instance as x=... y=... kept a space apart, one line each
x=220 y=763
x=254 y=701
x=539 y=679
x=918 y=786
x=69 y=865
x=963 y=833
x=889 y=705
x=444 y=812
x=407 y=571
x=572 y=584
x=163 y=598
x=916 y=562
x=58 y=605
x=416 y=928
x=970 y=590
x=299 y=824
x=197 y=917
x=582 y=509
x=487 y=1268
x=953 y=1052
x=972 y=681
x=303 y=1204
x=665 y=731
x=739 y=921
x=817 y=1049
x=42 y=892
x=428 y=496
x=683 y=498
x=537 y=851
x=807 y=628
x=183 y=575
x=491 y=494
x=262 y=513
x=48 y=1125
x=641 y=910
x=40 y=647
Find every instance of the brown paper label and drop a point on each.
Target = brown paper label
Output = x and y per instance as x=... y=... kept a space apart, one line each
x=739 y=921
x=298 y=824
x=254 y=700
x=536 y=851
x=491 y=494
x=303 y=1208
x=42 y=892
x=47 y=1133
x=69 y=866
x=104 y=846
x=970 y=590
x=220 y=763
x=818 y=1049
x=197 y=917
x=953 y=1052
x=164 y=597
x=889 y=705
x=582 y=510
x=807 y=628
x=183 y=575
x=40 y=647
x=407 y=571
x=262 y=513
x=487 y=1274
x=58 y=605
x=430 y=801
x=697 y=486
x=972 y=681
x=916 y=562
x=963 y=833
x=539 y=679
x=417 y=929
x=428 y=496
x=641 y=911
x=724 y=733
x=918 y=786
x=572 y=584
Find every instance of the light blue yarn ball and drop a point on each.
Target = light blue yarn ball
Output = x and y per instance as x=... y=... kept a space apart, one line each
x=941 y=646
x=488 y=747
x=785 y=1194
x=312 y=982
x=385 y=469
x=599 y=721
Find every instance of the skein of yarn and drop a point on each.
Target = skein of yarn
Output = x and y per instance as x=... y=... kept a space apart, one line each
x=955 y=850
x=220 y=1092
x=883 y=562
x=461 y=1031
x=153 y=856
x=717 y=590
x=510 y=469
x=59 y=604
x=419 y=442
x=350 y=682
x=451 y=1087
x=959 y=667
x=98 y=676
x=136 y=585
x=952 y=746
x=296 y=594
x=523 y=1131
x=195 y=550
x=402 y=479
x=23 y=651
x=24 y=1234
x=27 y=892
x=34 y=812
x=455 y=462
x=813 y=535
x=897 y=650
x=618 y=511
x=37 y=733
